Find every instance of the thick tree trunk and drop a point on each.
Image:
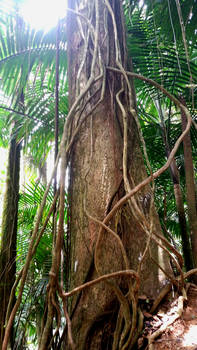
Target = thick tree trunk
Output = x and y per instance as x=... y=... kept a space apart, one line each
x=96 y=183
x=9 y=232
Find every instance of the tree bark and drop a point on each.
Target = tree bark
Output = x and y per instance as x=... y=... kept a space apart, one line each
x=9 y=232
x=174 y=172
x=190 y=188
x=96 y=181
x=185 y=237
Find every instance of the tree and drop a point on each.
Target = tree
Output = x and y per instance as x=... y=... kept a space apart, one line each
x=9 y=231
x=22 y=52
x=106 y=163
x=190 y=188
x=174 y=69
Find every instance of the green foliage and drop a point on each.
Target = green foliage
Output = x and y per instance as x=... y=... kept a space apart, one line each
x=27 y=66
x=156 y=57
x=165 y=14
x=157 y=50
x=27 y=110
x=32 y=306
x=24 y=51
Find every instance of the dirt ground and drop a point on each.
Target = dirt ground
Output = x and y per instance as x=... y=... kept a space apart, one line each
x=182 y=333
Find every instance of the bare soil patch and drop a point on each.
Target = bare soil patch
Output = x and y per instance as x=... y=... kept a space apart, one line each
x=182 y=333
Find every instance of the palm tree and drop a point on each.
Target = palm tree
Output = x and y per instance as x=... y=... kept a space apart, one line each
x=27 y=68
x=169 y=66
x=31 y=311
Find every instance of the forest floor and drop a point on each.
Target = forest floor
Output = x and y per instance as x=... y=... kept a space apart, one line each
x=182 y=333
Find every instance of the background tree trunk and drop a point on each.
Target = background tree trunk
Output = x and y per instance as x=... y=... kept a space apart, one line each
x=185 y=237
x=174 y=172
x=96 y=184
x=190 y=188
x=9 y=232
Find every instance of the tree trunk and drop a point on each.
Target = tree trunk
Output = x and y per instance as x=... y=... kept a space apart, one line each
x=190 y=188
x=97 y=181
x=185 y=238
x=9 y=232
x=174 y=172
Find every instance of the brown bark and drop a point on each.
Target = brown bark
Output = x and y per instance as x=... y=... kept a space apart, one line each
x=185 y=238
x=96 y=184
x=190 y=188
x=174 y=172
x=183 y=227
x=8 y=232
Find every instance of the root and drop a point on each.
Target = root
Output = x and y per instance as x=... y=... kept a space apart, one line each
x=160 y=297
x=162 y=329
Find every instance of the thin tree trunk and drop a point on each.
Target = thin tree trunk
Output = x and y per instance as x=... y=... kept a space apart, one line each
x=174 y=172
x=187 y=253
x=96 y=184
x=190 y=187
x=185 y=238
x=9 y=232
